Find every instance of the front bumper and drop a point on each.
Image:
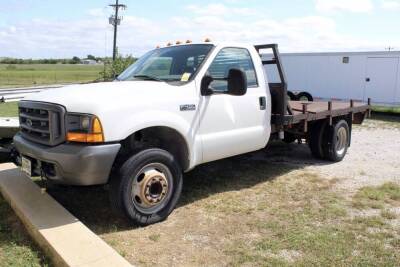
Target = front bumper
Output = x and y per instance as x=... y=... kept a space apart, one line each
x=72 y=164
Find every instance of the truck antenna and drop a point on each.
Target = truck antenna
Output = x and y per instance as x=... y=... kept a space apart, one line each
x=115 y=20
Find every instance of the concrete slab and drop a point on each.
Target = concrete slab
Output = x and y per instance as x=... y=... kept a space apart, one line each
x=62 y=236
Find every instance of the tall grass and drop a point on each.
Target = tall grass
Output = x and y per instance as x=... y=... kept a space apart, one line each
x=42 y=74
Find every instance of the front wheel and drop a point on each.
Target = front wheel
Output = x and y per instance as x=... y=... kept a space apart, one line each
x=147 y=187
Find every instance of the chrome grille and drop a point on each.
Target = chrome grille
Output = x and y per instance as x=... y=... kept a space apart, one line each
x=42 y=122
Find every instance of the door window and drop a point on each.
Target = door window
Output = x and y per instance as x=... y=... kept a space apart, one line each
x=232 y=58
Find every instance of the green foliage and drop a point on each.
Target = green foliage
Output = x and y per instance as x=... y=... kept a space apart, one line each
x=19 y=61
x=91 y=57
x=116 y=67
x=75 y=60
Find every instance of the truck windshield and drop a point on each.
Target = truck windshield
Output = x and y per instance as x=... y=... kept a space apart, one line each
x=177 y=63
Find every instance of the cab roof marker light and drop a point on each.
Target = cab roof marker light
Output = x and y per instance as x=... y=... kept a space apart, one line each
x=178 y=42
x=188 y=41
x=207 y=40
x=169 y=44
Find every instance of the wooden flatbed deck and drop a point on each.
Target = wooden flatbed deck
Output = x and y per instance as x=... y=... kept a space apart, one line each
x=304 y=111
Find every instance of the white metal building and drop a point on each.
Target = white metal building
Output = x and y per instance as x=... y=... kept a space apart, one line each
x=347 y=75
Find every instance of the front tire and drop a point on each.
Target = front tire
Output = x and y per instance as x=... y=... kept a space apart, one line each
x=147 y=187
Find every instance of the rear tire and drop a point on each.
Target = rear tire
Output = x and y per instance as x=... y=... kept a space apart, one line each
x=337 y=141
x=147 y=187
x=317 y=139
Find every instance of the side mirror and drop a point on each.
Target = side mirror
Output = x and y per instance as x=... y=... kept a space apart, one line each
x=237 y=82
x=205 y=85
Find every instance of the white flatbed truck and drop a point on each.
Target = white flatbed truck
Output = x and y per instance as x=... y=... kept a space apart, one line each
x=175 y=108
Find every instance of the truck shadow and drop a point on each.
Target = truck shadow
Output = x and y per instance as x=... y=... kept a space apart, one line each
x=91 y=204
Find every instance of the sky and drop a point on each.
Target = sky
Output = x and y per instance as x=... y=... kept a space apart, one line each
x=62 y=29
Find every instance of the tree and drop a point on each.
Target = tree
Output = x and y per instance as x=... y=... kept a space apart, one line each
x=116 y=67
x=91 y=57
x=76 y=60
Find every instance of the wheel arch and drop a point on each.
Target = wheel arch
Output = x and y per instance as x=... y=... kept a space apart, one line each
x=157 y=136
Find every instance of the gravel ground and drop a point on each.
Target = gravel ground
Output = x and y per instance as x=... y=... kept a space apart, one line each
x=372 y=159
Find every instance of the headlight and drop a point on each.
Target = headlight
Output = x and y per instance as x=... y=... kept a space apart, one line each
x=84 y=128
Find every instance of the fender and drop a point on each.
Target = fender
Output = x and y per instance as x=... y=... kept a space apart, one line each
x=160 y=118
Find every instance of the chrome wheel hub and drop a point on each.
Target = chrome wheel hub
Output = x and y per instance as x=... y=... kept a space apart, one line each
x=341 y=141
x=150 y=188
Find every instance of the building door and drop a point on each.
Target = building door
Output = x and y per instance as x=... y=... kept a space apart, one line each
x=381 y=79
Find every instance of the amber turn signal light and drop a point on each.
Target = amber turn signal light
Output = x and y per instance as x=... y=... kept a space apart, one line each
x=94 y=136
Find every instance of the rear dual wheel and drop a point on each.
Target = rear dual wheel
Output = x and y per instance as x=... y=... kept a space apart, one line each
x=330 y=142
x=338 y=141
x=318 y=139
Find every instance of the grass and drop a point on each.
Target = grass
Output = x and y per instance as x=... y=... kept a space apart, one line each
x=248 y=212
x=383 y=109
x=155 y=237
x=42 y=74
x=9 y=109
x=16 y=248
x=314 y=230
x=377 y=197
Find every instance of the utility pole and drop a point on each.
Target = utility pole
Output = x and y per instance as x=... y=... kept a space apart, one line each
x=115 y=20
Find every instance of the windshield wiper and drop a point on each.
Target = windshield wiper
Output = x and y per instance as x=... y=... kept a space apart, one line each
x=148 y=77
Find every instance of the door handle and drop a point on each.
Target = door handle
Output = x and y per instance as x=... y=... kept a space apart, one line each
x=367 y=79
x=263 y=103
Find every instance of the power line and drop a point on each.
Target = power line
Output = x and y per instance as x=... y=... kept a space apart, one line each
x=115 y=20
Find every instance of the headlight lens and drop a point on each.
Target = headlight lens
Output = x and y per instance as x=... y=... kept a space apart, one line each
x=85 y=123
x=84 y=128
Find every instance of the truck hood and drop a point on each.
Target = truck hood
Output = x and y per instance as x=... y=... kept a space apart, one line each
x=95 y=97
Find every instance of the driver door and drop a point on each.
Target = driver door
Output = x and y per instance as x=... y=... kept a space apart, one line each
x=232 y=125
